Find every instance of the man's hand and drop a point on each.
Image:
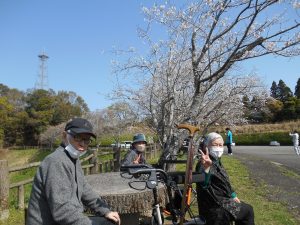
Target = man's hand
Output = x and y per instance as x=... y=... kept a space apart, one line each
x=137 y=160
x=205 y=160
x=114 y=216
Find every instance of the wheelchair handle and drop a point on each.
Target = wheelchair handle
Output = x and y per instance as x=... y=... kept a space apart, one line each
x=134 y=171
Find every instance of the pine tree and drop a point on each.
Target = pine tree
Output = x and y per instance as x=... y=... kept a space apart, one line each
x=297 y=89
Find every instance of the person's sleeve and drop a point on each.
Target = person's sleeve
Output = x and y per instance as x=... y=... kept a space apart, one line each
x=128 y=159
x=207 y=179
x=93 y=201
x=58 y=190
x=207 y=176
x=143 y=161
x=230 y=140
x=233 y=195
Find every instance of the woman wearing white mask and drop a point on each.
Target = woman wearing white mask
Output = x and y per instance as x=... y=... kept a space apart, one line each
x=217 y=201
x=60 y=191
x=136 y=154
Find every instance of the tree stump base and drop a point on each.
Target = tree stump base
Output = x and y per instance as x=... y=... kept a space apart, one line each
x=128 y=202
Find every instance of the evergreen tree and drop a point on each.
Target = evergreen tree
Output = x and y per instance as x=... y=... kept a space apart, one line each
x=274 y=90
x=24 y=116
x=297 y=89
x=289 y=109
x=297 y=108
x=284 y=92
x=274 y=108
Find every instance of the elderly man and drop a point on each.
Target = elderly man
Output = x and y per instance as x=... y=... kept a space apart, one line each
x=217 y=201
x=60 y=191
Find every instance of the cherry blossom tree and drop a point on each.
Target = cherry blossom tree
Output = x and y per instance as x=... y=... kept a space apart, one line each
x=52 y=135
x=193 y=73
x=113 y=120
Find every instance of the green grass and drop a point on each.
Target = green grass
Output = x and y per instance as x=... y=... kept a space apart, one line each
x=289 y=173
x=266 y=212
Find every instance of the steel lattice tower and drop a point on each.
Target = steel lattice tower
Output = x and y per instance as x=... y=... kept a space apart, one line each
x=42 y=82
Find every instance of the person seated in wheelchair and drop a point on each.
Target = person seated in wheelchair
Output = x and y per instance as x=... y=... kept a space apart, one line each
x=136 y=154
x=217 y=201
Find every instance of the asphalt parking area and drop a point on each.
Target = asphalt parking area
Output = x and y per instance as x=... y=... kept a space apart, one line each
x=280 y=187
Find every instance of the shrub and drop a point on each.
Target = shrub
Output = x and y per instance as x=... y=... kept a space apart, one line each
x=262 y=138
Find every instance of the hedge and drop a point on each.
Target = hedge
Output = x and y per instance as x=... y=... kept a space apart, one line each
x=262 y=138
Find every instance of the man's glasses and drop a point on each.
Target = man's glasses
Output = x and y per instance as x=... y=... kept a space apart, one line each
x=80 y=139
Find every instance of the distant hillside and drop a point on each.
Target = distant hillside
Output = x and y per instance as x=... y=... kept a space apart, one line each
x=262 y=128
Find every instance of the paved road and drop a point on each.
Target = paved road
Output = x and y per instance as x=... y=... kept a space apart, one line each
x=284 y=155
x=263 y=165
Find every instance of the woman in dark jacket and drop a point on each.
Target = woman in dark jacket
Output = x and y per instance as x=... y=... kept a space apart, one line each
x=217 y=201
x=136 y=154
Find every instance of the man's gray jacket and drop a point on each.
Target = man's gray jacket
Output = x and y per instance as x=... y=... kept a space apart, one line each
x=60 y=192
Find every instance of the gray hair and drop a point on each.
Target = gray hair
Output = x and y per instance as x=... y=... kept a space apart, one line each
x=210 y=137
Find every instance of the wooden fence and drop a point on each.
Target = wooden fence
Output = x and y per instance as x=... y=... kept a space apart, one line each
x=90 y=165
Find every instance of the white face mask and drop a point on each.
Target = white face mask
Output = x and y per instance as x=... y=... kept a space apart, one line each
x=140 y=148
x=216 y=151
x=74 y=153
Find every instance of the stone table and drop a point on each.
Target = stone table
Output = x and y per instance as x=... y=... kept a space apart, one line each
x=128 y=202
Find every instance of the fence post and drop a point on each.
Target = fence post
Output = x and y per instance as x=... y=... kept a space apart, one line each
x=148 y=152
x=106 y=166
x=152 y=156
x=100 y=167
x=94 y=160
x=4 y=190
x=21 y=197
x=155 y=150
x=117 y=158
x=111 y=163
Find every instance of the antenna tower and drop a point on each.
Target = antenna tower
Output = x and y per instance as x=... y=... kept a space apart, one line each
x=42 y=82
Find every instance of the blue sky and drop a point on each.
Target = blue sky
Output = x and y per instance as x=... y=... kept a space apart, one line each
x=77 y=36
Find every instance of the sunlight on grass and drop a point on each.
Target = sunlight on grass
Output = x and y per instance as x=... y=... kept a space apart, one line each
x=288 y=173
x=266 y=212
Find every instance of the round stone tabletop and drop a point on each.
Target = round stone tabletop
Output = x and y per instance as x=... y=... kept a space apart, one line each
x=115 y=190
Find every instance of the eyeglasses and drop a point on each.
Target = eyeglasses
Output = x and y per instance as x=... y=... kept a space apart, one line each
x=80 y=139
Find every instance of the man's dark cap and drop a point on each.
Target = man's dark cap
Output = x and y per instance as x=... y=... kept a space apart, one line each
x=80 y=126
